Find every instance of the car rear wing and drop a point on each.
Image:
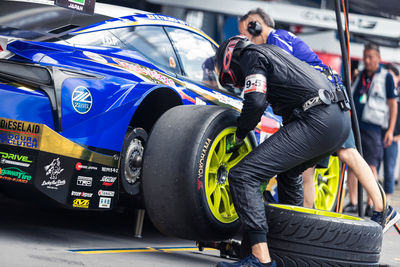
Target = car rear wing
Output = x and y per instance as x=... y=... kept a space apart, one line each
x=25 y=73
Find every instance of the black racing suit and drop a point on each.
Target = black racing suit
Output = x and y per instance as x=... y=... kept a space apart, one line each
x=305 y=138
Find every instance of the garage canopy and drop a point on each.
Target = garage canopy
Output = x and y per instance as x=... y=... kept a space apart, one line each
x=300 y=15
x=384 y=8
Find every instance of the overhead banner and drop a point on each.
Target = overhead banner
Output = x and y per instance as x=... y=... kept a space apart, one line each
x=83 y=6
x=294 y=14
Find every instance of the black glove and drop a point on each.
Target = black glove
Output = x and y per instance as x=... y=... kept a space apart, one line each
x=233 y=143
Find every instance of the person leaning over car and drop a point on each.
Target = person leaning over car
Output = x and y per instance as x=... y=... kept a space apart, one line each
x=315 y=124
x=258 y=26
x=313 y=128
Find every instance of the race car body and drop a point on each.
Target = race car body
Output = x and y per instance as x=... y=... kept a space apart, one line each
x=70 y=101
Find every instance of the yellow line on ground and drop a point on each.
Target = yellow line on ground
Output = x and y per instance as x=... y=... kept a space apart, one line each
x=113 y=251
x=184 y=249
x=152 y=249
x=148 y=249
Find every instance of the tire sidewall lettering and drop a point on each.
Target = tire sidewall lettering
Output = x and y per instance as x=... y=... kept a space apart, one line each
x=201 y=165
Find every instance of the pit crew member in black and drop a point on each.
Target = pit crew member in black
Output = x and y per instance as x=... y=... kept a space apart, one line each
x=314 y=127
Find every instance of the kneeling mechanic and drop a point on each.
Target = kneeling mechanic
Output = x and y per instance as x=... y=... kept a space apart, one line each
x=316 y=123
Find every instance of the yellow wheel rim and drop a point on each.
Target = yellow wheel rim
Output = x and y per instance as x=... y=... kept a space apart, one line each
x=327 y=185
x=216 y=177
x=317 y=212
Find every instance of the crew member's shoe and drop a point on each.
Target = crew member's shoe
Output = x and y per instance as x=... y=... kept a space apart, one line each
x=250 y=261
x=350 y=208
x=368 y=211
x=389 y=220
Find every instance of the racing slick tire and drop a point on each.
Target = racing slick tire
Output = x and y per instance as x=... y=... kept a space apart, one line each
x=131 y=158
x=185 y=169
x=300 y=236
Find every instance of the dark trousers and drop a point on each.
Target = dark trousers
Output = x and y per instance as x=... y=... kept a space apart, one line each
x=298 y=145
x=389 y=164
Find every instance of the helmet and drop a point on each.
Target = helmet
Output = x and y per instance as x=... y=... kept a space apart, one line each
x=227 y=61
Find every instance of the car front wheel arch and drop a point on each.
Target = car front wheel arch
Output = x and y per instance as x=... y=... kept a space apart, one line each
x=153 y=106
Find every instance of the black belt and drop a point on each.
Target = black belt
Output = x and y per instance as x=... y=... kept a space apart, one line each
x=328 y=97
x=312 y=102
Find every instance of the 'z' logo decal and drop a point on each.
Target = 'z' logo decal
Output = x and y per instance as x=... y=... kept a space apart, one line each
x=81 y=100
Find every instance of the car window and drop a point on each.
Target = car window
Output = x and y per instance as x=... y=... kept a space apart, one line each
x=196 y=55
x=152 y=42
x=103 y=38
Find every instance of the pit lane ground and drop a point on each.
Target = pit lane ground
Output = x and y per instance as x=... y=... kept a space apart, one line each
x=34 y=236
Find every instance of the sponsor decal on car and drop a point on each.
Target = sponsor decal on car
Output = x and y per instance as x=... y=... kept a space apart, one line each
x=80 y=2
x=84 y=181
x=81 y=194
x=53 y=184
x=165 y=18
x=84 y=6
x=109 y=169
x=81 y=100
x=108 y=180
x=79 y=166
x=14 y=174
x=154 y=75
x=105 y=202
x=81 y=203
x=200 y=101
x=12 y=162
x=214 y=96
x=105 y=193
x=224 y=99
x=18 y=140
x=19 y=126
x=53 y=170
x=14 y=159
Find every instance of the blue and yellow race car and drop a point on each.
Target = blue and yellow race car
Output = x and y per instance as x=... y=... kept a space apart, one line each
x=124 y=108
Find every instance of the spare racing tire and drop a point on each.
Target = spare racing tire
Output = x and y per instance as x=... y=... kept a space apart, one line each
x=185 y=169
x=308 y=237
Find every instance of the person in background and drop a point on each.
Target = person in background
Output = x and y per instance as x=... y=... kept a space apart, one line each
x=258 y=26
x=376 y=107
x=390 y=151
x=354 y=70
x=209 y=73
